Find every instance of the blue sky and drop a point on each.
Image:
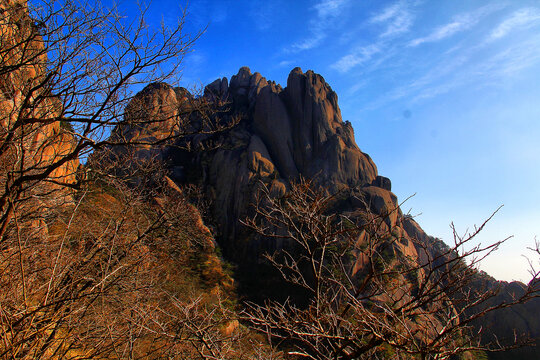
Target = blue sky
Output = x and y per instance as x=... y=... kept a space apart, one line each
x=444 y=95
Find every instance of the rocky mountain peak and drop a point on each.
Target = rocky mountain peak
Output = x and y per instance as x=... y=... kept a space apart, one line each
x=285 y=134
x=300 y=126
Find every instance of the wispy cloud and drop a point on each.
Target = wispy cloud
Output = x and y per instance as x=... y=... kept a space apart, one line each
x=458 y=24
x=446 y=31
x=308 y=43
x=358 y=57
x=522 y=18
x=387 y=13
x=447 y=75
x=327 y=11
x=396 y=18
x=329 y=8
x=464 y=64
x=285 y=63
x=438 y=79
x=357 y=86
x=502 y=65
x=511 y=60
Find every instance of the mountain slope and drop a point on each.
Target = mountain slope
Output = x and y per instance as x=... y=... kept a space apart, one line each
x=284 y=135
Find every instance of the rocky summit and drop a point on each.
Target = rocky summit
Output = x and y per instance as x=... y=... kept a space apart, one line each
x=283 y=134
x=279 y=136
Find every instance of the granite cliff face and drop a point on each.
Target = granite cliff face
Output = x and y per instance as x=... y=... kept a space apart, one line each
x=284 y=134
x=23 y=60
x=32 y=138
x=299 y=127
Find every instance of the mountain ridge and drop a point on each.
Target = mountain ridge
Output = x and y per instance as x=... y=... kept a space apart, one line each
x=284 y=135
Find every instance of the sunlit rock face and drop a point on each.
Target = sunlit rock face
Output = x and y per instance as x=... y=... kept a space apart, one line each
x=29 y=145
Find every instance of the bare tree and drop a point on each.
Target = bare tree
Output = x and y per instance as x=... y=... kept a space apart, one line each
x=68 y=70
x=97 y=272
x=124 y=272
x=82 y=274
x=368 y=297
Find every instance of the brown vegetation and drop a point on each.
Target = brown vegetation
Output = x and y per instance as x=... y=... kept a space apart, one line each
x=102 y=270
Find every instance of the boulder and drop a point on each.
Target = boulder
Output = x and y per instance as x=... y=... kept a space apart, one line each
x=382 y=182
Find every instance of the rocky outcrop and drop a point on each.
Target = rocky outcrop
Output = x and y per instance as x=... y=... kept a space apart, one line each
x=159 y=102
x=283 y=135
x=34 y=142
x=27 y=142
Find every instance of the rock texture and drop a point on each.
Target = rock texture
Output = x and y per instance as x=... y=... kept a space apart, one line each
x=33 y=142
x=23 y=59
x=284 y=134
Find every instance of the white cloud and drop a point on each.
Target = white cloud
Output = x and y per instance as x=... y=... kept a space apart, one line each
x=445 y=31
x=356 y=58
x=388 y=13
x=357 y=86
x=396 y=18
x=511 y=60
x=521 y=18
x=308 y=43
x=446 y=76
x=458 y=24
x=327 y=11
x=439 y=79
x=438 y=89
x=329 y=8
x=286 y=63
